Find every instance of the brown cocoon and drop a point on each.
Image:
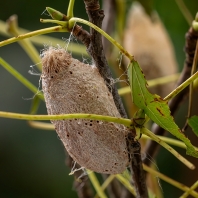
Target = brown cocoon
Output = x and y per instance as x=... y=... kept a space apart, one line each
x=70 y=86
x=147 y=39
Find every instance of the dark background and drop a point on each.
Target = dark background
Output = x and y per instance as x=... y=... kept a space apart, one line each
x=32 y=161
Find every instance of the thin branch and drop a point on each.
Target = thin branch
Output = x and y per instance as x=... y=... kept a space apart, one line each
x=97 y=53
x=190 y=102
x=138 y=175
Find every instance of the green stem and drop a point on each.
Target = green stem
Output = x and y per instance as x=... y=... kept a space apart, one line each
x=126 y=122
x=25 y=44
x=19 y=77
x=73 y=20
x=192 y=188
x=170 y=141
x=126 y=183
x=190 y=100
x=181 y=87
x=121 y=15
x=96 y=185
x=34 y=33
x=61 y=23
x=39 y=40
x=70 y=9
x=152 y=83
x=166 y=146
x=195 y=25
x=184 y=10
x=169 y=180
x=106 y=183
x=41 y=125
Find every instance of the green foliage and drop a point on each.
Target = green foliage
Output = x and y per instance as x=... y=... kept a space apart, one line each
x=154 y=106
x=193 y=123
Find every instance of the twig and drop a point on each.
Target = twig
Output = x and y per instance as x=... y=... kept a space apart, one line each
x=191 y=38
x=85 y=38
x=97 y=53
x=190 y=102
x=138 y=175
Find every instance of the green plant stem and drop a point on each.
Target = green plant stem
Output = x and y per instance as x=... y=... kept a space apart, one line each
x=61 y=23
x=181 y=87
x=70 y=12
x=166 y=146
x=96 y=185
x=184 y=10
x=190 y=102
x=19 y=77
x=195 y=63
x=126 y=183
x=170 y=141
x=106 y=183
x=121 y=15
x=195 y=25
x=73 y=20
x=192 y=188
x=19 y=116
x=169 y=180
x=34 y=33
x=41 y=125
x=39 y=40
x=152 y=83
x=25 y=44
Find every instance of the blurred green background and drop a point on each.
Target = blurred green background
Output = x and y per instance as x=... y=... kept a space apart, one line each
x=32 y=161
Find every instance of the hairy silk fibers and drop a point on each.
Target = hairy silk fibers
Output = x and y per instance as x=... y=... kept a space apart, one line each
x=70 y=86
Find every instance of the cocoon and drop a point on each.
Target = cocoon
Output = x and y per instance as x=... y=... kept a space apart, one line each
x=146 y=38
x=70 y=86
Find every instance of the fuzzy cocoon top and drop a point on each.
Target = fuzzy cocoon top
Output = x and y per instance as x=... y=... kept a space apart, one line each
x=70 y=86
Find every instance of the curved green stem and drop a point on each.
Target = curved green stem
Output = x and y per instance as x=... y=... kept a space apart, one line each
x=169 y=180
x=96 y=185
x=195 y=25
x=170 y=141
x=28 y=47
x=126 y=122
x=34 y=33
x=166 y=146
x=70 y=9
x=187 y=193
x=184 y=10
x=61 y=23
x=73 y=20
x=126 y=183
x=39 y=40
x=106 y=183
x=19 y=77
x=181 y=87
x=152 y=83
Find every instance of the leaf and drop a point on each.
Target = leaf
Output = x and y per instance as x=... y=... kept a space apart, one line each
x=154 y=106
x=193 y=123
